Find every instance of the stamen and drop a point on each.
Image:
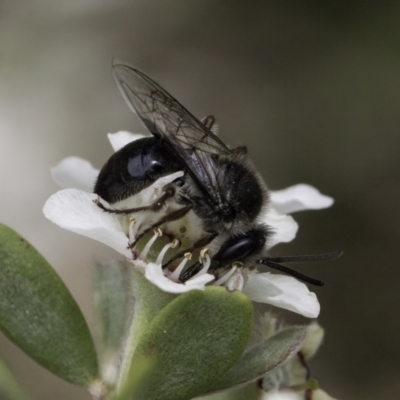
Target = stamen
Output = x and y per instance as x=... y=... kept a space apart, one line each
x=175 y=243
x=203 y=253
x=162 y=253
x=224 y=279
x=175 y=275
x=157 y=233
x=237 y=264
x=132 y=231
x=206 y=265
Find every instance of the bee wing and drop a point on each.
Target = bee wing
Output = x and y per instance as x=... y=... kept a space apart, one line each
x=164 y=116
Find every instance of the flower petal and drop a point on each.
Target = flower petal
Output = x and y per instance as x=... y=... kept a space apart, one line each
x=74 y=210
x=120 y=139
x=315 y=335
x=282 y=291
x=154 y=274
x=282 y=395
x=75 y=172
x=284 y=227
x=298 y=198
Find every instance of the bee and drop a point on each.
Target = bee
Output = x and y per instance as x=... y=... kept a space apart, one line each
x=220 y=185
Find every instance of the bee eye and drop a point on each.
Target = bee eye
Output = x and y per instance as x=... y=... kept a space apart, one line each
x=155 y=168
x=136 y=168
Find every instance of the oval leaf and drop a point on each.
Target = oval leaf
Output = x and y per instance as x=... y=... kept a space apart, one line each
x=264 y=357
x=38 y=313
x=111 y=300
x=193 y=342
x=9 y=386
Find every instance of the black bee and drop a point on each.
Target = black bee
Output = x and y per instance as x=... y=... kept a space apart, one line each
x=220 y=185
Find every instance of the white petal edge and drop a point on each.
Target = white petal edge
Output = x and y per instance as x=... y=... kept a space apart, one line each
x=284 y=228
x=282 y=291
x=282 y=395
x=120 y=139
x=74 y=210
x=298 y=198
x=155 y=275
x=75 y=172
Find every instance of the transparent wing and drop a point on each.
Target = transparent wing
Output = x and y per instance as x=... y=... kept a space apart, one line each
x=164 y=116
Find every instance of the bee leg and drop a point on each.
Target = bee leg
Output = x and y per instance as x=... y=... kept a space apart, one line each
x=190 y=272
x=309 y=258
x=232 y=251
x=168 y=192
x=173 y=216
x=198 y=245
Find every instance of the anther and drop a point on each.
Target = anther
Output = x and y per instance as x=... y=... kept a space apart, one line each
x=203 y=253
x=158 y=232
x=225 y=278
x=146 y=249
x=175 y=243
x=237 y=264
x=176 y=274
x=132 y=220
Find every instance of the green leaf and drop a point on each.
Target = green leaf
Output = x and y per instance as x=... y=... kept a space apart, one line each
x=136 y=375
x=264 y=357
x=38 y=313
x=9 y=386
x=111 y=298
x=149 y=300
x=193 y=341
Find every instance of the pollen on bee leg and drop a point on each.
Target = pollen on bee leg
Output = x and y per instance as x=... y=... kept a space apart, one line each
x=157 y=233
x=177 y=272
x=174 y=244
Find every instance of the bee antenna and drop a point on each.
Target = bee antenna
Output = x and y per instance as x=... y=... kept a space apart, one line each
x=311 y=258
x=267 y=261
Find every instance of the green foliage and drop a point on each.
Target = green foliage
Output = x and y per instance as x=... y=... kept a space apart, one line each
x=148 y=301
x=264 y=357
x=111 y=290
x=136 y=374
x=193 y=342
x=9 y=387
x=38 y=313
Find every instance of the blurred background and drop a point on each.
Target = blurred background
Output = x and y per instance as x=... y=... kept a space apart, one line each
x=312 y=88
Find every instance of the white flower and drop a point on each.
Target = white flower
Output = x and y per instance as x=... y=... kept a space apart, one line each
x=282 y=291
x=74 y=209
x=283 y=395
